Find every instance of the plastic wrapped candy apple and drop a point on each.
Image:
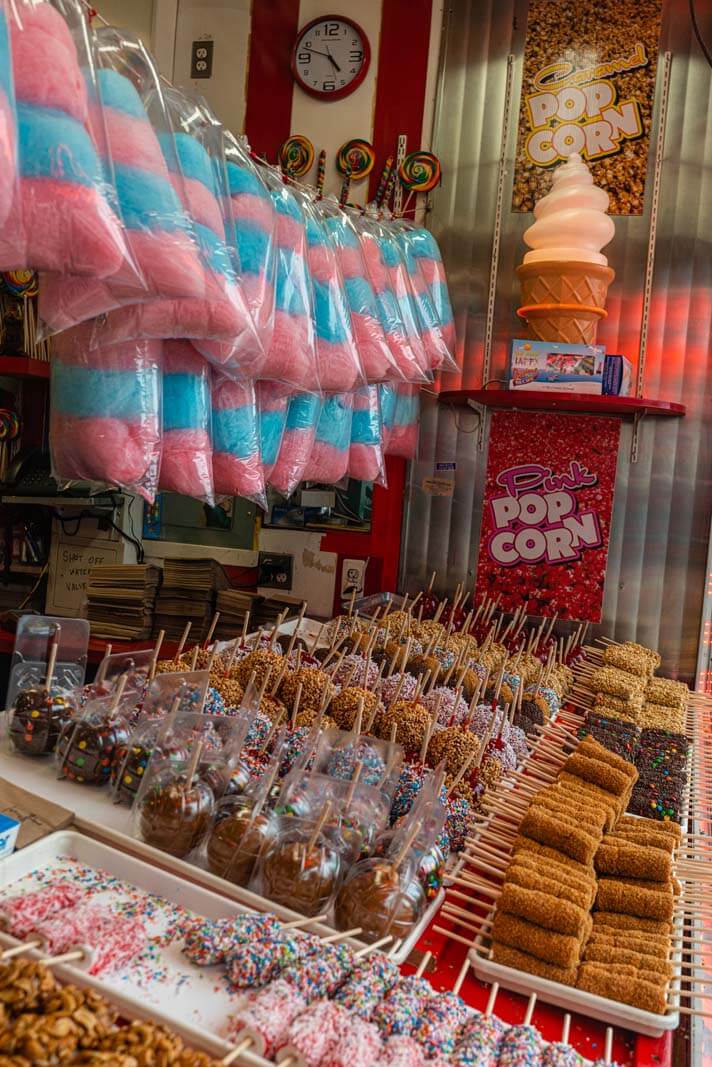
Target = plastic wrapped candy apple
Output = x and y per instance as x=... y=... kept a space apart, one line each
x=382 y=896
x=40 y=715
x=302 y=868
x=87 y=745
x=243 y=830
x=174 y=807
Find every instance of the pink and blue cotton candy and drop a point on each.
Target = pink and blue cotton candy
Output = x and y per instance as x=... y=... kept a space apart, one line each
x=255 y=230
x=237 y=463
x=291 y=357
x=272 y=404
x=105 y=412
x=428 y=323
x=373 y=349
x=158 y=232
x=397 y=270
x=8 y=123
x=403 y=436
x=430 y=264
x=62 y=219
x=366 y=448
x=186 y=461
x=338 y=363
x=329 y=459
x=297 y=443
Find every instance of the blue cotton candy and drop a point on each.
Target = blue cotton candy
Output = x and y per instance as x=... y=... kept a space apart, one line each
x=290 y=297
x=85 y=392
x=335 y=422
x=253 y=246
x=235 y=431
x=424 y=244
x=148 y=202
x=186 y=402
x=388 y=312
x=315 y=234
x=330 y=317
x=118 y=92
x=390 y=253
x=286 y=204
x=361 y=296
x=441 y=301
x=272 y=425
x=242 y=181
x=54 y=145
x=194 y=161
x=366 y=422
x=303 y=411
x=387 y=397
x=344 y=235
x=214 y=252
x=407 y=408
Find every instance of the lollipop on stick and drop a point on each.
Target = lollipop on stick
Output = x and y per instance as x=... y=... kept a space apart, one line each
x=419 y=173
x=296 y=156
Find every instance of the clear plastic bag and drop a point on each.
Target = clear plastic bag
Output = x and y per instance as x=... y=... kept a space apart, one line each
x=338 y=362
x=432 y=333
x=301 y=870
x=401 y=333
x=10 y=203
x=387 y=398
x=68 y=221
x=255 y=230
x=237 y=460
x=186 y=458
x=329 y=459
x=219 y=323
x=157 y=229
x=87 y=745
x=366 y=461
x=291 y=357
x=430 y=264
x=374 y=352
x=174 y=807
x=297 y=443
x=272 y=402
x=403 y=437
x=105 y=415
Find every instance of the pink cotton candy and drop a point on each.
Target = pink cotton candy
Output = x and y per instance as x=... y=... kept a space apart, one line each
x=290 y=358
x=403 y=441
x=238 y=477
x=186 y=463
x=290 y=233
x=133 y=142
x=337 y=370
x=350 y=261
x=370 y=341
x=365 y=462
x=68 y=228
x=254 y=209
x=169 y=262
x=200 y=203
x=44 y=61
x=321 y=263
x=170 y=318
x=105 y=450
x=326 y=464
x=293 y=455
x=377 y=272
x=8 y=157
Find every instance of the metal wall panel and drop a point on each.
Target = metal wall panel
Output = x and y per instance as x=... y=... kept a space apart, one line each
x=663 y=503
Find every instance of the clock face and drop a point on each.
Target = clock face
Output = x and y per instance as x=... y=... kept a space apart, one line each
x=331 y=57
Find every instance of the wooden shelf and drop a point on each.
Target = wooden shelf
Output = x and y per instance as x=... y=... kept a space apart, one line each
x=23 y=367
x=546 y=400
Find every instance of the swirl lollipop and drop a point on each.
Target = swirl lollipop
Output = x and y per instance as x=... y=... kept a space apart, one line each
x=20 y=282
x=296 y=156
x=420 y=172
x=355 y=158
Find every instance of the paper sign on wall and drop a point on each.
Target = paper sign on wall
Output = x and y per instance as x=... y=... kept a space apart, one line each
x=547 y=512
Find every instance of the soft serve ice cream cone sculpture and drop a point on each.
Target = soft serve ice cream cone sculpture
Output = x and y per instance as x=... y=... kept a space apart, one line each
x=565 y=277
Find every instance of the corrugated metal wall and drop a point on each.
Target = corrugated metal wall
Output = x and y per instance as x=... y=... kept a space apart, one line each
x=663 y=503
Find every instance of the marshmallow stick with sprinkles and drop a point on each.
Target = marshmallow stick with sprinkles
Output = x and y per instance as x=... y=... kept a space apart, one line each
x=479 y=1041
x=442 y=1017
x=522 y=1046
x=400 y=1009
x=20 y=915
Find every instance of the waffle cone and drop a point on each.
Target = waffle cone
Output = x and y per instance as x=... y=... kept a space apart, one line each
x=569 y=323
x=560 y=282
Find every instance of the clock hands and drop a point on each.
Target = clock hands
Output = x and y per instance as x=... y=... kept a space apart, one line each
x=333 y=61
x=328 y=55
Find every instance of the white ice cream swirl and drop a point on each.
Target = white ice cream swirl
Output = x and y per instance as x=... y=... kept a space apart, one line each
x=571 y=220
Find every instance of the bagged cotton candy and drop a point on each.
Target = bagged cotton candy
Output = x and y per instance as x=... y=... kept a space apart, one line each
x=376 y=358
x=297 y=443
x=430 y=265
x=9 y=189
x=64 y=218
x=387 y=399
x=366 y=449
x=405 y=346
x=329 y=459
x=272 y=404
x=158 y=231
x=237 y=463
x=395 y=265
x=338 y=363
x=291 y=357
x=186 y=461
x=219 y=323
x=403 y=436
x=255 y=232
x=105 y=412
x=431 y=331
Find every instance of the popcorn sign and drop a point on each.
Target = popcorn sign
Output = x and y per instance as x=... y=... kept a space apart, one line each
x=547 y=512
x=588 y=86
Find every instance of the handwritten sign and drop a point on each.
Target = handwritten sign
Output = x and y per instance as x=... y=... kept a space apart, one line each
x=69 y=566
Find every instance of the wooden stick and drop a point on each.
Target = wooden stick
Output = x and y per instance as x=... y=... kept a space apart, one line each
x=318 y=827
x=103 y=666
x=194 y=658
x=183 y=639
x=118 y=693
x=156 y=651
x=52 y=661
x=211 y=630
x=193 y=765
x=423 y=964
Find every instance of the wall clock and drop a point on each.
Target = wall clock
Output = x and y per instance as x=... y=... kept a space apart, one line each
x=331 y=57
